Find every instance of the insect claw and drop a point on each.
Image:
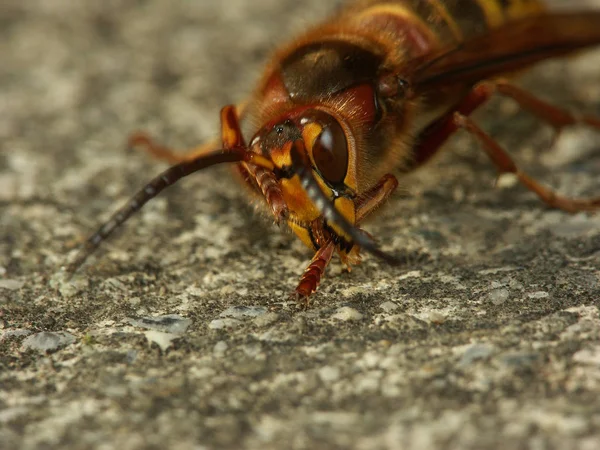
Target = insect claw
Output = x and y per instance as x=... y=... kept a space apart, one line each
x=281 y=213
x=281 y=221
x=139 y=140
x=301 y=299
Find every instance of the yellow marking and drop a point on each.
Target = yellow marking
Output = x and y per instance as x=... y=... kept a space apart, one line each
x=302 y=233
x=298 y=202
x=304 y=210
x=445 y=15
x=229 y=137
x=350 y=180
x=346 y=207
x=261 y=161
x=301 y=207
x=392 y=10
x=229 y=134
x=494 y=12
x=521 y=8
x=310 y=133
x=282 y=157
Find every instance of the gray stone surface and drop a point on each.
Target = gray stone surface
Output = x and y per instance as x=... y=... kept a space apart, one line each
x=48 y=341
x=488 y=337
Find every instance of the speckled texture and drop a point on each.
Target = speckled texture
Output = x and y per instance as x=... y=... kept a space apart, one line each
x=179 y=333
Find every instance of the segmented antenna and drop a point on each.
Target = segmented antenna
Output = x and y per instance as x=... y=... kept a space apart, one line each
x=151 y=190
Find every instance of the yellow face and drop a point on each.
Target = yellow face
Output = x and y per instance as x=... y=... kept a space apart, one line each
x=331 y=158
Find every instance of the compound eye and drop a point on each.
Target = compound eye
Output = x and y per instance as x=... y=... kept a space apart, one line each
x=330 y=152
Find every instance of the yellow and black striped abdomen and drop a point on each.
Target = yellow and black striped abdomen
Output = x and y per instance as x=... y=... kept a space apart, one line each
x=444 y=21
x=466 y=18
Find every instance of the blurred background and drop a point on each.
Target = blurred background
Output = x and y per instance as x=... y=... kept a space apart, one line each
x=486 y=338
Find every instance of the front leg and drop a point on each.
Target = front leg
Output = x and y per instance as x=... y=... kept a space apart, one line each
x=315 y=270
x=142 y=141
x=365 y=204
x=369 y=201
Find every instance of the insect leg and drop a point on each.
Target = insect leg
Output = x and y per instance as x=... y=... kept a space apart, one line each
x=438 y=133
x=557 y=117
x=231 y=135
x=144 y=142
x=372 y=199
x=434 y=136
x=312 y=275
x=505 y=164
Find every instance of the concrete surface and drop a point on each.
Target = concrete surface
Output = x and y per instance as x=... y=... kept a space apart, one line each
x=179 y=333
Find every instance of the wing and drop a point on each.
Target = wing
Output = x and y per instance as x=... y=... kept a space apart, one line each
x=508 y=48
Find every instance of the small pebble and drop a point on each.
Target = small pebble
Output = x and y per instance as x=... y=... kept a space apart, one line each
x=498 y=296
x=538 y=295
x=242 y=312
x=11 y=285
x=171 y=323
x=515 y=284
x=220 y=347
x=17 y=332
x=70 y=288
x=220 y=324
x=518 y=360
x=329 y=374
x=266 y=319
x=436 y=317
x=506 y=180
x=476 y=352
x=588 y=356
x=389 y=307
x=48 y=340
x=163 y=340
x=347 y=314
x=10 y=414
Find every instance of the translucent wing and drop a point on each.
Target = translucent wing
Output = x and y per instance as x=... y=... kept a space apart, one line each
x=509 y=48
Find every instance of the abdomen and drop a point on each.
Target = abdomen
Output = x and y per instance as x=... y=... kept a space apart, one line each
x=432 y=23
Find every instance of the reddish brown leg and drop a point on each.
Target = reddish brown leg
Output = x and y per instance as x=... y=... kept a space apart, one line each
x=313 y=273
x=556 y=117
x=142 y=141
x=505 y=164
x=434 y=136
x=372 y=199
x=439 y=132
x=365 y=204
